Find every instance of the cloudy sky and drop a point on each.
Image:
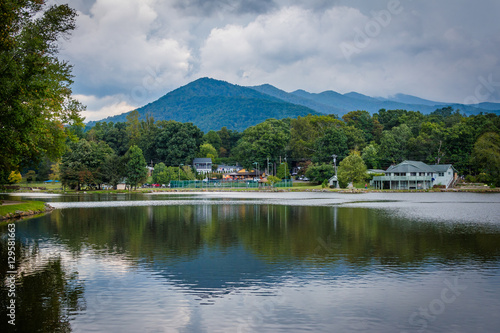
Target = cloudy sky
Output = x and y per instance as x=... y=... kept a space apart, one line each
x=127 y=53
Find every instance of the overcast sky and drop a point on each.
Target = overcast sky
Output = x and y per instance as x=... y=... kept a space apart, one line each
x=127 y=53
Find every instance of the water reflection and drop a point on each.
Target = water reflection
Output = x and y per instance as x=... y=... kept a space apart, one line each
x=260 y=268
x=46 y=292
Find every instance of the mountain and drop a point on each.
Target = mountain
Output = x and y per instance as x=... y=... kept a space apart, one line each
x=356 y=101
x=409 y=99
x=212 y=104
x=296 y=99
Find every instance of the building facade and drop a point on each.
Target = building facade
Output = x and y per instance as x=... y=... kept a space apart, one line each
x=414 y=175
x=202 y=165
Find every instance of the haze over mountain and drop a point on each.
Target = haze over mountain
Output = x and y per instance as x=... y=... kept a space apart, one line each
x=211 y=104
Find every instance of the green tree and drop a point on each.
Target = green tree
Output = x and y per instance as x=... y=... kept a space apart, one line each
x=207 y=149
x=214 y=139
x=306 y=131
x=133 y=127
x=267 y=139
x=283 y=171
x=83 y=164
x=36 y=103
x=394 y=144
x=334 y=141
x=370 y=156
x=486 y=156
x=177 y=143
x=229 y=139
x=271 y=180
x=320 y=172
x=363 y=121
x=30 y=176
x=352 y=168
x=136 y=171
x=113 y=169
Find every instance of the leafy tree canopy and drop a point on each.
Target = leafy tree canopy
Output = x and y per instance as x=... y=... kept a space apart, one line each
x=35 y=93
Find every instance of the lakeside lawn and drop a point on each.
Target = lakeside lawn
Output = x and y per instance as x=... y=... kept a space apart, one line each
x=23 y=206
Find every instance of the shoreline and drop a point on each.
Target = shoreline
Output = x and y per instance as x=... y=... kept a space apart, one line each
x=23 y=209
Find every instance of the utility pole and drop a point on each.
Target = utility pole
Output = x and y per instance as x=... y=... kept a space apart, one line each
x=335 y=166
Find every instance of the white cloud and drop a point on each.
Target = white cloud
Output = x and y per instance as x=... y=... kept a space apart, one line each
x=102 y=107
x=115 y=49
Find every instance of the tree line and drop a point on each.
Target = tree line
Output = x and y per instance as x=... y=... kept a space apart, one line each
x=110 y=152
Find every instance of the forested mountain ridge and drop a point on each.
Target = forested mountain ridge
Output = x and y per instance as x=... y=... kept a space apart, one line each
x=212 y=104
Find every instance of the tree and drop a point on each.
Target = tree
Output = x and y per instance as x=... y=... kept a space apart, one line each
x=283 y=171
x=352 y=168
x=133 y=127
x=136 y=171
x=333 y=142
x=177 y=143
x=394 y=144
x=35 y=93
x=83 y=164
x=486 y=156
x=229 y=139
x=207 y=150
x=15 y=177
x=113 y=169
x=213 y=139
x=320 y=172
x=55 y=169
x=30 y=176
x=306 y=131
x=271 y=180
x=361 y=120
x=267 y=139
x=370 y=156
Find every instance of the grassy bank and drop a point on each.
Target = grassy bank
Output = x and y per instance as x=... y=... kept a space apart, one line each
x=24 y=208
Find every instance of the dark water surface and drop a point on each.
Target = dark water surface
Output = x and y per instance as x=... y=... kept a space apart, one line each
x=258 y=262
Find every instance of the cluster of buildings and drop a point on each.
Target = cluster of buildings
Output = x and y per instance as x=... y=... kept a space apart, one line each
x=229 y=172
x=407 y=175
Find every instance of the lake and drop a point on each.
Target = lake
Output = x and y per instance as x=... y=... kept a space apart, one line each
x=257 y=262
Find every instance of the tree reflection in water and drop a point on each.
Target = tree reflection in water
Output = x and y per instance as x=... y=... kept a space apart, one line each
x=46 y=294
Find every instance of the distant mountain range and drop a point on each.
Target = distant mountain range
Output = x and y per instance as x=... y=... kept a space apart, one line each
x=211 y=104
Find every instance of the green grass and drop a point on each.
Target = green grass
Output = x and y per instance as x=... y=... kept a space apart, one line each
x=22 y=206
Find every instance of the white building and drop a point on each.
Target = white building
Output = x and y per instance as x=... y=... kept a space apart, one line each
x=410 y=175
x=202 y=165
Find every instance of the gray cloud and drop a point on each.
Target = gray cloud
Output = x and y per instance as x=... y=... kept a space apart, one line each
x=130 y=52
x=209 y=7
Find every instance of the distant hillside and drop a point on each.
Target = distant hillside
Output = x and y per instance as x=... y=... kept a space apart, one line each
x=296 y=99
x=356 y=101
x=212 y=104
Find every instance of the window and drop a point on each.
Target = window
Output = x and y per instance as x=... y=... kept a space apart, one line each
x=441 y=174
x=413 y=174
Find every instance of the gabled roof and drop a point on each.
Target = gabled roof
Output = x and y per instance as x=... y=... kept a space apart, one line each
x=410 y=166
x=202 y=160
x=441 y=167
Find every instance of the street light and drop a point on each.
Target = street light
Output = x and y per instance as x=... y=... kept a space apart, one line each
x=335 y=165
x=285 y=169
x=256 y=168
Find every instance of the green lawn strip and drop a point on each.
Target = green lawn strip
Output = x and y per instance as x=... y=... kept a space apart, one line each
x=34 y=206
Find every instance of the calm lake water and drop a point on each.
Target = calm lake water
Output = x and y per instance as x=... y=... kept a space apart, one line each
x=258 y=262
